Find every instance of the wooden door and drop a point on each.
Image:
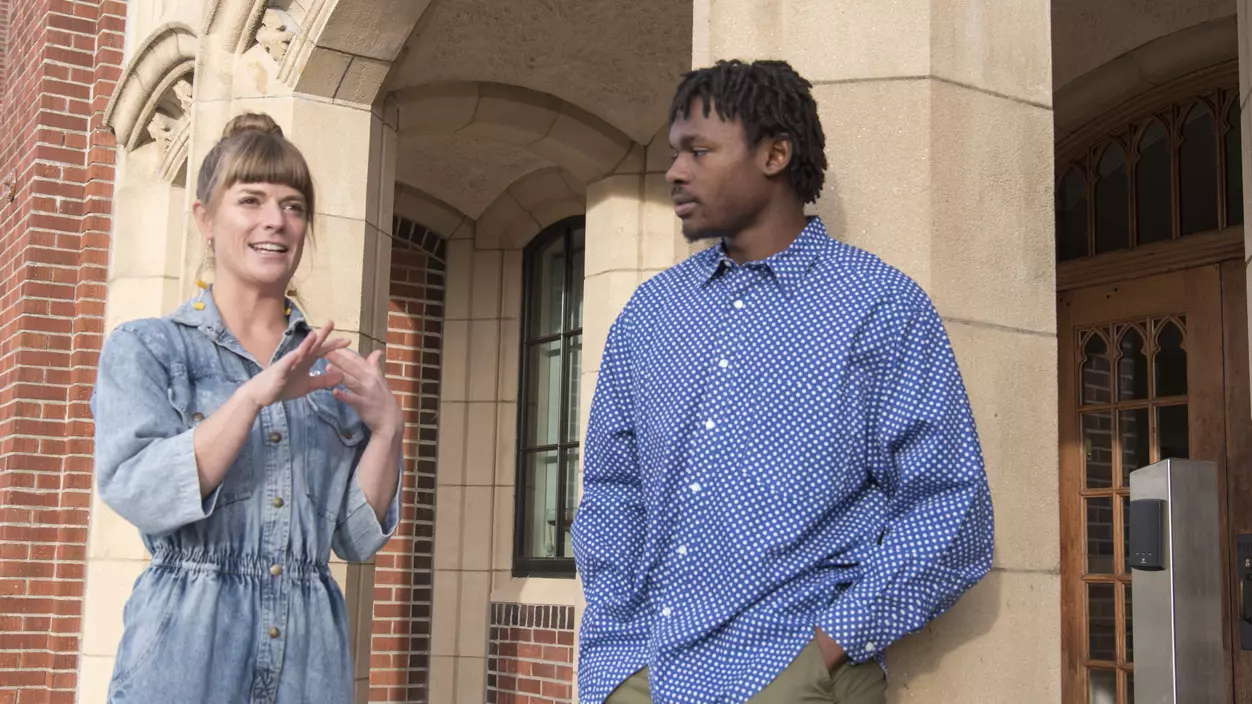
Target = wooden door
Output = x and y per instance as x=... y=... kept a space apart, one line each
x=1238 y=496
x=1141 y=371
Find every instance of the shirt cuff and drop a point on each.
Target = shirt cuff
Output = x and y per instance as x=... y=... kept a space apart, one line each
x=361 y=528
x=190 y=506
x=851 y=624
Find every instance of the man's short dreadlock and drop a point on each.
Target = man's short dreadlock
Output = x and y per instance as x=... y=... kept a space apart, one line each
x=770 y=99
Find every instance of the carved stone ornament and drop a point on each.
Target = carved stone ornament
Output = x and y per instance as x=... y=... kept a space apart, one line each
x=162 y=130
x=274 y=34
x=182 y=90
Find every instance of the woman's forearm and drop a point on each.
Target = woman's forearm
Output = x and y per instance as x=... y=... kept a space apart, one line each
x=221 y=436
x=379 y=470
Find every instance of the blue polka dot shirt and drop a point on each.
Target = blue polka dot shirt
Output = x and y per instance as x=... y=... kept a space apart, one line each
x=772 y=447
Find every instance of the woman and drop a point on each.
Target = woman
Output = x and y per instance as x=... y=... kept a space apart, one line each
x=245 y=446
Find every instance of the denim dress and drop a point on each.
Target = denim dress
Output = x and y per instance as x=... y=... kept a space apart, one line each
x=238 y=604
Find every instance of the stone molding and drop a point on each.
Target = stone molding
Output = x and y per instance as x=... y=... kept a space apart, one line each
x=163 y=62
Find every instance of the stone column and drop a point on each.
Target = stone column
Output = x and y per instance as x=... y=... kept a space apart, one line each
x=938 y=123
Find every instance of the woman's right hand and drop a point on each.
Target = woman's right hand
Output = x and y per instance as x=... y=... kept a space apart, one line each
x=288 y=378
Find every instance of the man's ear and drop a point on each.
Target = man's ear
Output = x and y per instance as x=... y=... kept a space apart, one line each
x=778 y=153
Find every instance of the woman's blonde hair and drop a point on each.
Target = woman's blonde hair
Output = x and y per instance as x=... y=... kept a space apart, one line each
x=253 y=150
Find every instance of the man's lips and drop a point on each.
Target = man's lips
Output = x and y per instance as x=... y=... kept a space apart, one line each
x=684 y=206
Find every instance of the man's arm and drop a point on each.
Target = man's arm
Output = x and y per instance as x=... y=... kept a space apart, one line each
x=926 y=456
x=608 y=533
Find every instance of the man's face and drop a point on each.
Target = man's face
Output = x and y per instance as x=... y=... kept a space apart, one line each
x=718 y=181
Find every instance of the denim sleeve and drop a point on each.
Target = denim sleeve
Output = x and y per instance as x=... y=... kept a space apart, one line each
x=358 y=533
x=145 y=460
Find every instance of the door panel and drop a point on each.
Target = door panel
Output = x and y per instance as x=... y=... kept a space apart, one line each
x=1141 y=379
x=1238 y=503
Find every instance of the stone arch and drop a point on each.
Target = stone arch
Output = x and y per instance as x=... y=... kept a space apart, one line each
x=572 y=138
x=436 y=215
x=166 y=58
x=1151 y=65
x=535 y=201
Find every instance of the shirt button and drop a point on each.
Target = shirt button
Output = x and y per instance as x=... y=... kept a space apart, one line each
x=276 y=570
x=276 y=437
x=695 y=487
x=869 y=647
x=347 y=434
x=277 y=502
x=682 y=549
x=667 y=612
x=739 y=304
x=274 y=632
x=723 y=364
x=197 y=417
x=708 y=425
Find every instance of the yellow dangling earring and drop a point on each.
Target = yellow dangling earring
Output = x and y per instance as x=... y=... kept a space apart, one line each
x=199 y=304
x=291 y=293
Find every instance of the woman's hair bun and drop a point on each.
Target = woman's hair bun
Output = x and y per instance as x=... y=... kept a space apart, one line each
x=251 y=122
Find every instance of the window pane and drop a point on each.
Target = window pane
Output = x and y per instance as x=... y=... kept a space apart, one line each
x=1100 y=535
x=1071 y=217
x=1133 y=431
x=1096 y=378
x=572 y=480
x=1197 y=175
x=1172 y=428
x=1097 y=440
x=1102 y=623
x=1234 y=167
x=1152 y=186
x=547 y=286
x=1103 y=687
x=543 y=397
x=1112 y=202
x=1171 y=361
x=576 y=285
x=574 y=370
x=1132 y=366
x=540 y=491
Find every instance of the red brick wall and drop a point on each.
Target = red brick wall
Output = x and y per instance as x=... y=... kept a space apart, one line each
x=4 y=35
x=62 y=62
x=399 y=659
x=530 y=654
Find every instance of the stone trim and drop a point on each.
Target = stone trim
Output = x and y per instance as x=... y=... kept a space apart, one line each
x=167 y=55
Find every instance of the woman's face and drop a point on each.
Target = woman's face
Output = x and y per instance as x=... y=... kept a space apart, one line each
x=256 y=232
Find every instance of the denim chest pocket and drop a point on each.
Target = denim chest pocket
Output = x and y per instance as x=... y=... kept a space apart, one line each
x=331 y=451
x=196 y=400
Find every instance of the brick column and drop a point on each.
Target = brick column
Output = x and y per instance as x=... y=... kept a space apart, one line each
x=60 y=61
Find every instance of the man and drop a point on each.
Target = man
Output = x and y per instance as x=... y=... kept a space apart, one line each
x=782 y=473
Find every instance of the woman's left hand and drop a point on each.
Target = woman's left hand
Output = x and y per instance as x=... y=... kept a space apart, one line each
x=367 y=390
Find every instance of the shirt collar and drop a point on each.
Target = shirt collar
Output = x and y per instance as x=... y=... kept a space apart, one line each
x=206 y=317
x=788 y=266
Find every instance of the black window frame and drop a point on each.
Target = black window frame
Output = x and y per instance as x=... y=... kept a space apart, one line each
x=525 y=565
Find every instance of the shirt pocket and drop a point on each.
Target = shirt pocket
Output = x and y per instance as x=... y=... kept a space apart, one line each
x=332 y=452
x=195 y=402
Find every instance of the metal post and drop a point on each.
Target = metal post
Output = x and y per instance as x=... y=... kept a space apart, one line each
x=1175 y=556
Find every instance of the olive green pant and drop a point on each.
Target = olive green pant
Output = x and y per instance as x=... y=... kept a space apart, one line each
x=805 y=681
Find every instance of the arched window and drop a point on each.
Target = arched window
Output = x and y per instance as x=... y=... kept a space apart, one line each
x=548 y=435
x=1171 y=173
